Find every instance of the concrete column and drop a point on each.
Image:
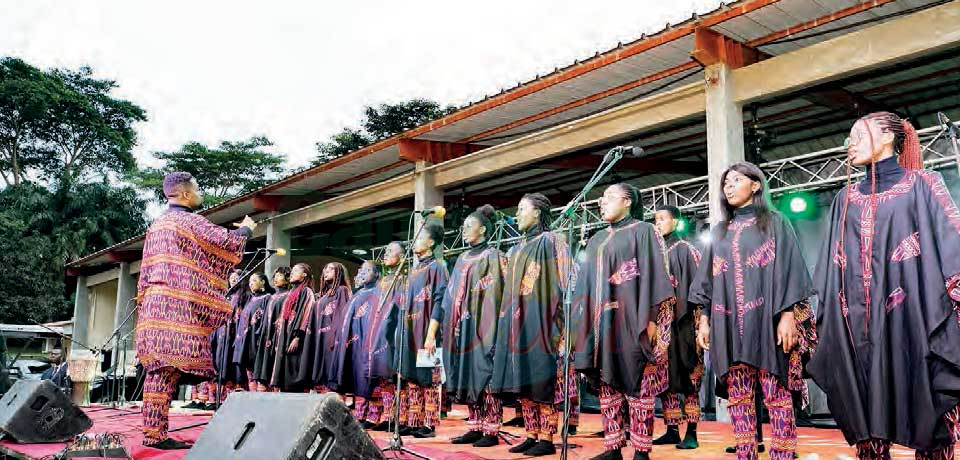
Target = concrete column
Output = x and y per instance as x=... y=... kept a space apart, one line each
x=81 y=312
x=126 y=293
x=276 y=238
x=724 y=148
x=425 y=194
x=724 y=130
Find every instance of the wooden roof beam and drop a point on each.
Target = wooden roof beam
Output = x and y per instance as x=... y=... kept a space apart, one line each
x=434 y=152
x=710 y=47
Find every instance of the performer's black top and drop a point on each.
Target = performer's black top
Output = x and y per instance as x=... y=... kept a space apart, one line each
x=622 y=285
x=889 y=358
x=684 y=354
x=426 y=285
x=531 y=318
x=267 y=330
x=747 y=278
x=468 y=319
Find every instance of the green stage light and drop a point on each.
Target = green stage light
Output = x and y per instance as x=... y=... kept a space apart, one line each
x=799 y=206
x=682 y=226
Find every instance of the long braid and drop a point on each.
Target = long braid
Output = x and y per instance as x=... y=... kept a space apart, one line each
x=906 y=142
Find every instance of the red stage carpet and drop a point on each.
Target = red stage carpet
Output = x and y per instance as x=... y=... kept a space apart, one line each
x=826 y=444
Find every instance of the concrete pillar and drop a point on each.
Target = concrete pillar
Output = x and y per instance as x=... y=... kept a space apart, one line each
x=276 y=238
x=81 y=313
x=124 y=319
x=724 y=130
x=425 y=195
x=724 y=148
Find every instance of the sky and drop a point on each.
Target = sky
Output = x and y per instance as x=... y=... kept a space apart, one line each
x=300 y=71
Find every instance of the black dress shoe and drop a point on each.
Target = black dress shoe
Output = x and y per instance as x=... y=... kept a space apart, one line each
x=488 y=440
x=408 y=430
x=524 y=446
x=170 y=444
x=542 y=448
x=516 y=421
x=571 y=430
x=193 y=405
x=469 y=437
x=368 y=425
x=641 y=455
x=614 y=454
x=382 y=426
x=733 y=449
x=425 y=432
x=672 y=436
x=210 y=406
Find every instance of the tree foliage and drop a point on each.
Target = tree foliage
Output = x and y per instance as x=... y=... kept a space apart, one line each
x=42 y=229
x=379 y=123
x=231 y=169
x=62 y=123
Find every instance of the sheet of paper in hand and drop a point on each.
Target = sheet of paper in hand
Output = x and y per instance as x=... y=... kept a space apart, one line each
x=425 y=359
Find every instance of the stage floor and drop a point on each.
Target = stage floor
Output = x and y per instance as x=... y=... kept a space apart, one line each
x=187 y=425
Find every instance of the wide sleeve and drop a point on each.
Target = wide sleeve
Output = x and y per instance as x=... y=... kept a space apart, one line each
x=701 y=289
x=791 y=278
x=945 y=219
x=831 y=258
x=219 y=241
x=439 y=288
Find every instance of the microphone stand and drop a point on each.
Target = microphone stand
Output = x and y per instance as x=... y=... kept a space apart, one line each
x=952 y=136
x=568 y=214
x=396 y=442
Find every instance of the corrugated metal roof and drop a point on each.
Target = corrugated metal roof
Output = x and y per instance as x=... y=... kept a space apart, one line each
x=521 y=108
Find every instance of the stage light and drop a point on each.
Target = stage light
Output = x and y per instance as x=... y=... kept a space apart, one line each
x=682 y=226
x=705 y=238
x=799 y=205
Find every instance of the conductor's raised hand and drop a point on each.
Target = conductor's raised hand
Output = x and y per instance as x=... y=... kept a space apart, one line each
x=246 y=222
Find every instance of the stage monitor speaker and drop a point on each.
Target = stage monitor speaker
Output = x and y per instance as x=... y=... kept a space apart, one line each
x=36 y=411
x=284 y=426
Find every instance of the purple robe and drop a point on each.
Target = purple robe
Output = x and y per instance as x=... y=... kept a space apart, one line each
x=746 y=280
x=889 y=358
x=468 y=321
x=266 y=331
x=425 y=287
x=372 y=359
x=183 y=277
x=292 y=324
x=530 y=328
x=329 y=315
x=246 y=332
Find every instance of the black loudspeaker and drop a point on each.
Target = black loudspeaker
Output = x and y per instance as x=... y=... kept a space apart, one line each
x=284 y=426
x=36 y=411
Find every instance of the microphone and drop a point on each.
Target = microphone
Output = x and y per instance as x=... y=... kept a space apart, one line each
x=278 y=251
x=631 y=151
x=436 y=211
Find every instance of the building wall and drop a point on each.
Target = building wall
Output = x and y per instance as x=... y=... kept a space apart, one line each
x=103 y=306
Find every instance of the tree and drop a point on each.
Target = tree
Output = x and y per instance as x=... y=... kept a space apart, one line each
x=88 y=129
x=380 y=123
x=40 y=230
x=392 y=119
x=26 y=97
x=231 y=169
x=342 y=143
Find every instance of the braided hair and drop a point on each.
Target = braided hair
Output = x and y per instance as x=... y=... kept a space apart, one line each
x=541 y=202
x=906 y=142
x=340 y=278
